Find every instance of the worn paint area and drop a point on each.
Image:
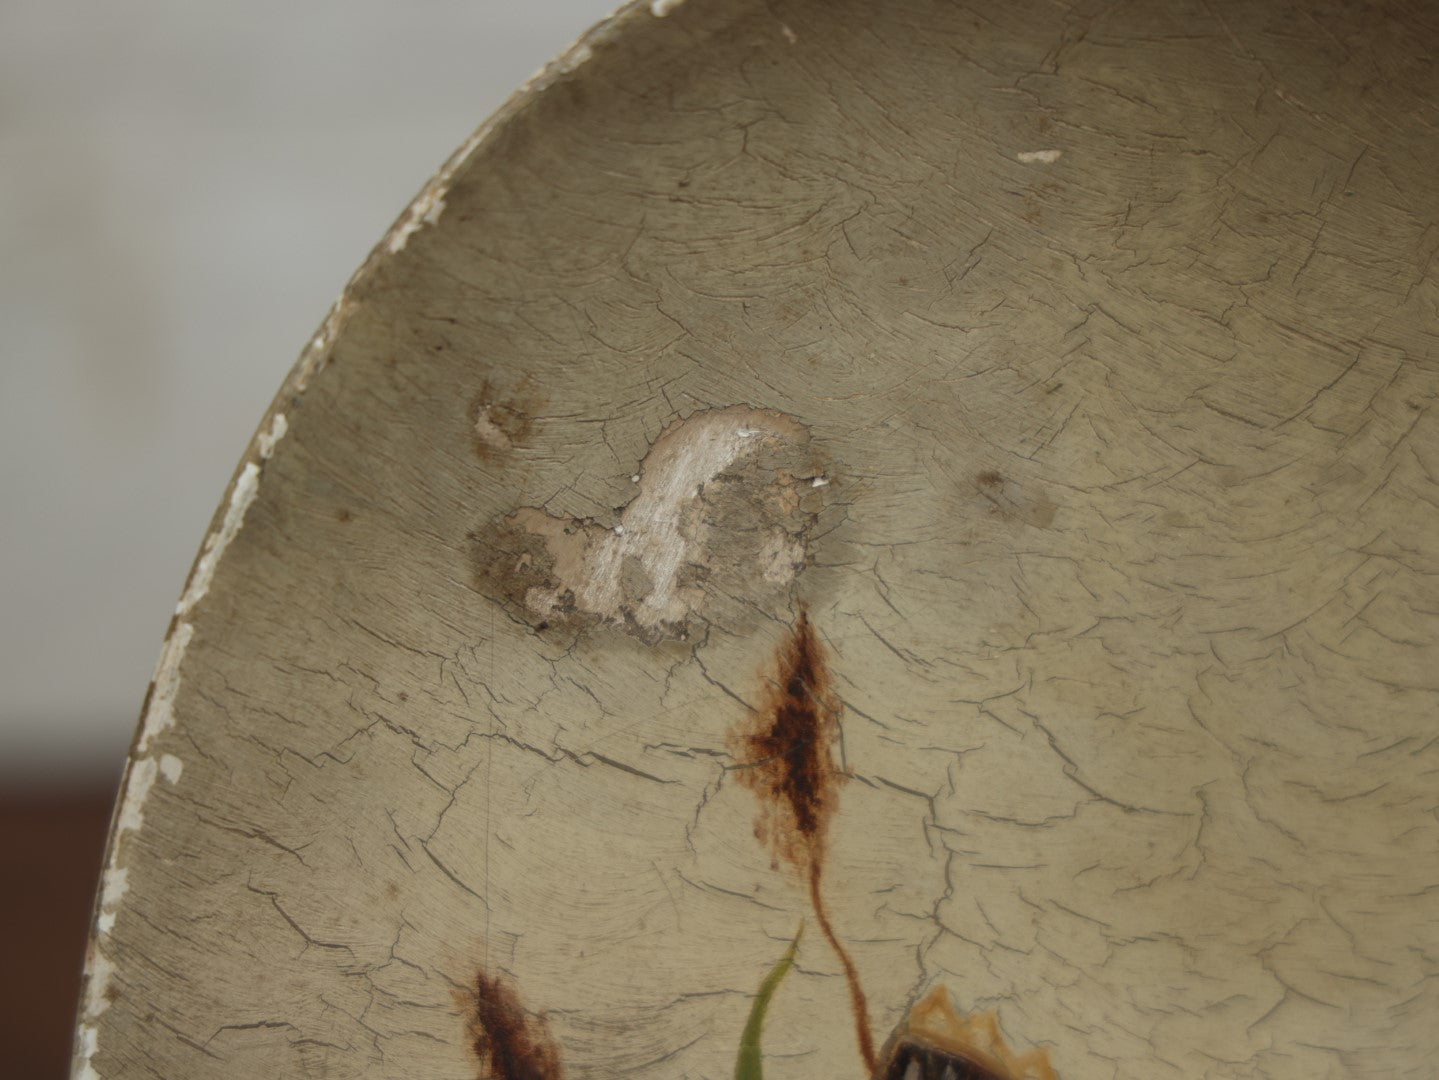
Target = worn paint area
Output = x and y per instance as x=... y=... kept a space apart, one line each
x=499 y=423
x=725 y=504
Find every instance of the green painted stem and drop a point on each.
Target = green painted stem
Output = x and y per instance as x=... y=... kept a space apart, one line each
x=749 y=1065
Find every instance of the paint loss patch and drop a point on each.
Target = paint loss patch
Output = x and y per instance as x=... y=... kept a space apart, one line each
x=725 y=504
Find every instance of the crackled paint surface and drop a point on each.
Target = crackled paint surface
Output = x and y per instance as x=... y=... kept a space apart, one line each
x=1104 y=484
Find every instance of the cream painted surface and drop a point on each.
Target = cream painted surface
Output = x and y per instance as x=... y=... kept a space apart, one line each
x=1124 y=565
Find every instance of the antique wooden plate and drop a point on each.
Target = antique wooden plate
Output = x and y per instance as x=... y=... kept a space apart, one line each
x=959 y=479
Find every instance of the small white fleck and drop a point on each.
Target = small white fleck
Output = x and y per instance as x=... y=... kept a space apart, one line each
x=789 y=35
x=819 y=481
x=660 y=8
x=171 y=767
x=619 y=530
x=579 y=54
x=634 y=478
x=1041 y=157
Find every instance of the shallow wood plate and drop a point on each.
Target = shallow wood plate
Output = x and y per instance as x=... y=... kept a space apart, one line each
x=959 y=479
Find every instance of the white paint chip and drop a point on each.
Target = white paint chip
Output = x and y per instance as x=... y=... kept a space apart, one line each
x=247 y=485
x=1039 y=157
x=576 y=56
x=160 y=715
x=137 y=790
x=266 y=440
x=425 y=210
x=171 y=767
x=89 y=1038
x=114 y=884
x=818 y=482
x=95 y=1000
x=660 y=8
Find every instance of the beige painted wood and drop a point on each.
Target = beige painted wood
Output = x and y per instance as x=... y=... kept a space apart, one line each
x=1073 y=365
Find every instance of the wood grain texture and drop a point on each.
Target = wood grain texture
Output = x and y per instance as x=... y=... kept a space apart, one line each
x=1111 y=331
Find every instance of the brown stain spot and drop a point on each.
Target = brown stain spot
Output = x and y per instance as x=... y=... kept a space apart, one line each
x=500 y=422
x=509 y=1042
x=1010 y=501
x=392 y=891
x=785 y=751
x=343 y=516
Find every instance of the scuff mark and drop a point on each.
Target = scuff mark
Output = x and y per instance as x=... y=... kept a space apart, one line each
x=503 y=421
x=1039 y=157
x=724 y=507
x=509 y=1042
x=660 y=8
x=490 y=433
x=1013 y=501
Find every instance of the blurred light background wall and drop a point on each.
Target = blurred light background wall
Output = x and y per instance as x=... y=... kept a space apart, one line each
x=185 y=186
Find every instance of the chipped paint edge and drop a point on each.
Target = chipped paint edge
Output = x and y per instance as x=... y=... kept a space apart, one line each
x=145 y=768
x=427 y=207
